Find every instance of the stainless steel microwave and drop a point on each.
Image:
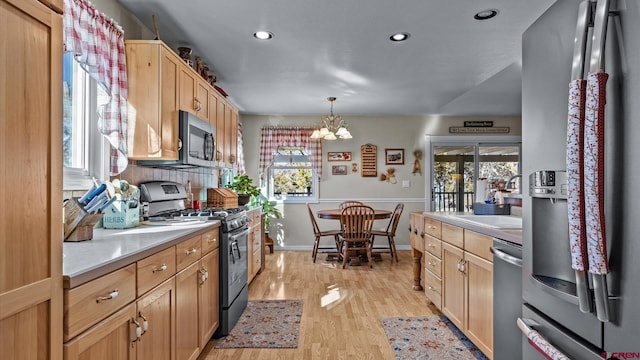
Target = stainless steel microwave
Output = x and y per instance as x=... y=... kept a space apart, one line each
x=198 y=139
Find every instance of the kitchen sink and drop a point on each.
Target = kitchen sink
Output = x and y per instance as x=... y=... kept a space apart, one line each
x=493 y=221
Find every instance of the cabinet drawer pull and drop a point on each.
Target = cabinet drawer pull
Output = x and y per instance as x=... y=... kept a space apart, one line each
x=191 y=251
x=145 y=323
x=138 y=330
x=211 y=239
x=204 y=275
x=431 y=264
x=430 y=288
x=162 y=267
x=112 y=295
x=431 y=245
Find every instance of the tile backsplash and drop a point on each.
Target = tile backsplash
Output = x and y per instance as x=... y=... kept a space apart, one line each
x=201 y=178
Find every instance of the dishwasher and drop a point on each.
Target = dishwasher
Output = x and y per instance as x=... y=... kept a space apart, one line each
x=507 y=299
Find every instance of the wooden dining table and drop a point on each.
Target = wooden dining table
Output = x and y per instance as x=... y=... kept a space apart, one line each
x=334 y=214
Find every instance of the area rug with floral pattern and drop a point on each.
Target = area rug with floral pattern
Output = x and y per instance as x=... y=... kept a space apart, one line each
x=266 y=324
x=428 y=337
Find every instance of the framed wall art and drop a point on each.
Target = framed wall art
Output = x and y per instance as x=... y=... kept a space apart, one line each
x=339 y=170
x=339 y=155
x=394 y=156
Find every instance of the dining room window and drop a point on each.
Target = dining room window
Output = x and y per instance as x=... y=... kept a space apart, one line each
x=85 y=152
x=292 y=178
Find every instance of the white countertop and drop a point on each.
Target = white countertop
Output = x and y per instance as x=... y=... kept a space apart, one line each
x=511 y=235
x=111 y=249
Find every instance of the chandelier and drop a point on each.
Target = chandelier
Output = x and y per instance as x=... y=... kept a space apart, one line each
x=332 y=126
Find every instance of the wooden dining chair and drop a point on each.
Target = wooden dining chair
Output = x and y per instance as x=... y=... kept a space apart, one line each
x=349 y=203
x=356 y=222
x=319 y=234
x=390 y=233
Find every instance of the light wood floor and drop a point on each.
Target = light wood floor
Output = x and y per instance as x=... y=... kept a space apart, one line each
x=342 y=307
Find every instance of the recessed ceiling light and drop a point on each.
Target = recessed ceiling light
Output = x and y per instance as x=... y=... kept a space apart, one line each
x=399 y=37
x=262 y=35
x=486 y=14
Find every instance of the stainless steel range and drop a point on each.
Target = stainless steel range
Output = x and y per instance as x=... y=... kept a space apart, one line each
x=166 y=206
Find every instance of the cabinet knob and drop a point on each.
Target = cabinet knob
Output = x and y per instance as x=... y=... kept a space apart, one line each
x=179 y=144
x=138 y=330
x=145 y=323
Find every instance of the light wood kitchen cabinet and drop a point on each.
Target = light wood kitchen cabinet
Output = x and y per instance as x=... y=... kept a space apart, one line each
x=467 y=284
x=89 y=303
x=208 y=297
x=453 y=284
x=255 y=243
x=220 y=131
x=194 y=93
x=479 y=300
x=158 y=310
x=153 y=73
x=31 y=298
x=111 y=339
x=187 y=337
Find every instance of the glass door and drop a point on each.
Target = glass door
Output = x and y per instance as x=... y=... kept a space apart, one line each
x=453 y=169
x=453 y=165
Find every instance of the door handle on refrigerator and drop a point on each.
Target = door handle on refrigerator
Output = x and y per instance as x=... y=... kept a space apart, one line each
x=601 y=295
x=582 y=290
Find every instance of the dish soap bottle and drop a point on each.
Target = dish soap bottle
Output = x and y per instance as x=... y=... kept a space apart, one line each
x=189 y=201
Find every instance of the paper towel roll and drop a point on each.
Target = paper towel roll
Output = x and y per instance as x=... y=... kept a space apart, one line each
x=481 y=190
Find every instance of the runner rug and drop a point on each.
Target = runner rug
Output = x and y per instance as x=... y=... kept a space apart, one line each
x=428 y=337
x=266 y=324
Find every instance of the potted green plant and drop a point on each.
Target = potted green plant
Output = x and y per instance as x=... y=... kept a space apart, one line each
x=243 y=186
x=270 y=210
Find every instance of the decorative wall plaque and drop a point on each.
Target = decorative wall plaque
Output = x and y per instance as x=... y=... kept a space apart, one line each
x=369 y=159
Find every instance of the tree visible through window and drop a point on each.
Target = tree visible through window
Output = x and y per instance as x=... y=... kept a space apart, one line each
x=292 y=176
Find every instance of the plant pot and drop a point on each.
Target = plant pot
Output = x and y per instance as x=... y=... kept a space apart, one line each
x=243 y=199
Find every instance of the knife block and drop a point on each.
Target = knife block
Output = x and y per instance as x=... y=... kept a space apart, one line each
x=78 y=224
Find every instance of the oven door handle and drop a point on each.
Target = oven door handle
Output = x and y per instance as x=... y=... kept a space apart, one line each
x=235 y=236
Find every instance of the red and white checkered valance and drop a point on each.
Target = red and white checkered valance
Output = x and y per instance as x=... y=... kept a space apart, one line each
x=98 y=45
x=273 y=137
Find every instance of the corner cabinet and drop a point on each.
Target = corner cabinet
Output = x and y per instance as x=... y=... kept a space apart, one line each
x=153 y=73
x=31 y=137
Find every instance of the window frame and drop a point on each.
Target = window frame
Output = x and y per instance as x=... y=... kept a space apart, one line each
x=95 y=147
x=293 y=199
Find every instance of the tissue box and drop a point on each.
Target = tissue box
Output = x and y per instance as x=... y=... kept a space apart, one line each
x=121 y=215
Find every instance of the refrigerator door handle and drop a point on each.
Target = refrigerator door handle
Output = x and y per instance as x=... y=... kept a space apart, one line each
x=582 y=290
x=596 y=65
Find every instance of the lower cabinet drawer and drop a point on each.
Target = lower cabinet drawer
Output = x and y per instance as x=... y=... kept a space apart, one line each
x=155 y=269
x=187 y=252
x=89 y=303
x=433 y=289
x=210 y=240
x=433 y=264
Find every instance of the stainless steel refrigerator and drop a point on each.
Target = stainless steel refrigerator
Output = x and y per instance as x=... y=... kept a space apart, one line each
x=562 y=304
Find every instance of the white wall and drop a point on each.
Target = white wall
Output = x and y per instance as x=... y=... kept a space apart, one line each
x=397 y=132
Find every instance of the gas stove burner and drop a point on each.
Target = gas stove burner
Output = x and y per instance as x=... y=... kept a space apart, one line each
x=221 y=213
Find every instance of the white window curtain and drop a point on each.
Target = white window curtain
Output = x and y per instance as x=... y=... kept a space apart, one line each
x=98 y=45
x=241 y=168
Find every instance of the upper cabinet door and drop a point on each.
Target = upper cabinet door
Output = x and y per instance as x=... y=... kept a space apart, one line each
x=188 y=82
x=56 y=5
x=31 y=138
x=153 y=76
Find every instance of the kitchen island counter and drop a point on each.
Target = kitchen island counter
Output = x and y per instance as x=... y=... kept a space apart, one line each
x=511 y=234
x=111 y=249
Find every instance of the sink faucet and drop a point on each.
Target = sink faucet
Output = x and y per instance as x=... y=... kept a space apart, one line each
x=506 y=185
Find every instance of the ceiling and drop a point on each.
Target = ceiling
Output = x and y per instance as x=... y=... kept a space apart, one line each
x=451 y=64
